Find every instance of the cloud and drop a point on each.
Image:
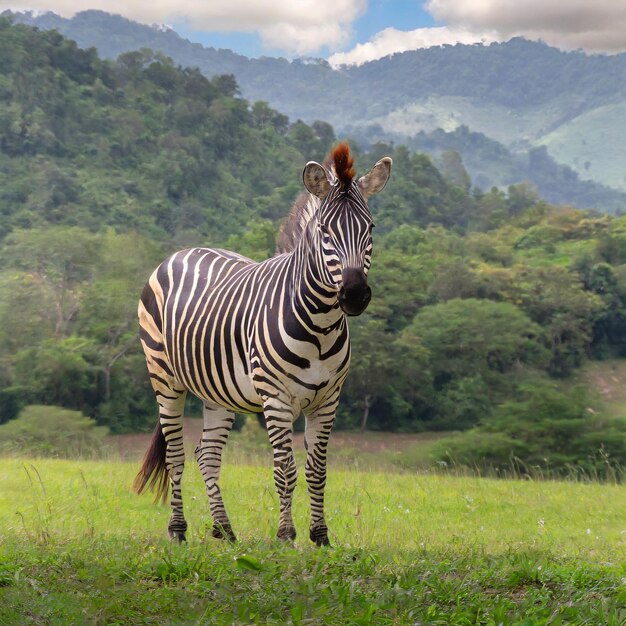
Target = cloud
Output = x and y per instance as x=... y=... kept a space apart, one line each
x=594 y=25
x=391 y=40
x=295 y=26
x=591 y=25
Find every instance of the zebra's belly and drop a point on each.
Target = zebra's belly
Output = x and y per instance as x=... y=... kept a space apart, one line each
x=235 y=389
x=222 y=380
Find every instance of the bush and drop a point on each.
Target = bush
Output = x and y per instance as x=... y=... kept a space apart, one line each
x=542 y=428
x=52 y=431
x=11 y=401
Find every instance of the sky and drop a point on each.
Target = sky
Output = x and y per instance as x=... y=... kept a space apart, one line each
x=357 y=31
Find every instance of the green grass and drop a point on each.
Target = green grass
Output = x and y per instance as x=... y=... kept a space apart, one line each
x=77 y=547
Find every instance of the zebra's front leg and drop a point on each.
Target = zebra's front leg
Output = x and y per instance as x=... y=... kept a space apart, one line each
x=279 y=419
x=317 y=433
x=171 y=409
x=218 y=423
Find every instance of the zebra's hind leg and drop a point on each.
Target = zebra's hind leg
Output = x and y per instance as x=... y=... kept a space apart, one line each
x=217 y=426
x=317 y=433
x=171 y=408
x=279 y=420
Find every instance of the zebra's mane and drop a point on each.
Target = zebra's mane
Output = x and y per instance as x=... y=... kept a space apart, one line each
x=340 y=166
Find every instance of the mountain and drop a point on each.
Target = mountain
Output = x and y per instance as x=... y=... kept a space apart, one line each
x=523 y=95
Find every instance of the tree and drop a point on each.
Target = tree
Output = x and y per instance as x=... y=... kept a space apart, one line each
x=382 y=375
x=60 y=262
x=521 y=197
x=474 y=347
x=258 y=242
x=108 y=308
x=59 y=371
x=264 y=117
x=491 y=211
x=555 y=299
x=453 y=170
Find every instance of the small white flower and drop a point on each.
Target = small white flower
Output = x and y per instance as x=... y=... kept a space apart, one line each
x=588 y=531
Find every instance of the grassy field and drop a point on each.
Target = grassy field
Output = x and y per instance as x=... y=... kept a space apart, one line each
x=77 y=547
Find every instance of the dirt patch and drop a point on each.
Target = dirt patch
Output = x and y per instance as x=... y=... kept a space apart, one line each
x=607 y=379
x=133 y=446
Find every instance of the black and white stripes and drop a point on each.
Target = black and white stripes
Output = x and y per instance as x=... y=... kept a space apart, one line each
x=251 y=337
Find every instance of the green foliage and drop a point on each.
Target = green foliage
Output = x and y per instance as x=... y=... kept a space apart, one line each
x=58 y=371
x=68 y=311
x=52 y=431
x=258 y=242
x=473 y=349
x=138 y=144
x=542 y=427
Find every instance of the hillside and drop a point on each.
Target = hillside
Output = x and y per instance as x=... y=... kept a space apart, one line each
x=522 y=94
x=490 y=163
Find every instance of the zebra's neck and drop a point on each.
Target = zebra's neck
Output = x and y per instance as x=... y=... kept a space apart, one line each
x=313 y=293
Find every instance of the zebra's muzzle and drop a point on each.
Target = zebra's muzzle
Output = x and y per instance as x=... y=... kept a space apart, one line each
x=354 y=294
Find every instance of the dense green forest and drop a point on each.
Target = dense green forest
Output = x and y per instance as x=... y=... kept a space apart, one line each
x=485 y=302
x=533 y=112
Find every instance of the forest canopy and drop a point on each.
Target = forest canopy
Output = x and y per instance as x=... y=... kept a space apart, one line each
x=108 y=166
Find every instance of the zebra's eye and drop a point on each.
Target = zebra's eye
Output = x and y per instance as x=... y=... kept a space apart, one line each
x=324 y=229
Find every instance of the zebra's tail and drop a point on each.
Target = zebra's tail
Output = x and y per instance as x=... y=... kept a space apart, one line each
x=153 y=474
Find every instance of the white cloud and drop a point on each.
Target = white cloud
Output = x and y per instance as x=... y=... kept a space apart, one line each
x=391 y=40
x=295 y=26
x=594 y=25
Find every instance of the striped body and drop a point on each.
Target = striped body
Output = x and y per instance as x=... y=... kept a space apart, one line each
x=233 y=332
x=267 y=337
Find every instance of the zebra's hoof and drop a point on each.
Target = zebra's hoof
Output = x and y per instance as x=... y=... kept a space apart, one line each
x=178 y=536
x=319 y=536
x=288 y=533
x=223 y=531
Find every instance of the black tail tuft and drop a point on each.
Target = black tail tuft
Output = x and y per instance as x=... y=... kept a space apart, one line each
x=153 y=474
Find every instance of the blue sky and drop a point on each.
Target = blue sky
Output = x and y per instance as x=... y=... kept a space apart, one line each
x=356 y=31
x=380 y=14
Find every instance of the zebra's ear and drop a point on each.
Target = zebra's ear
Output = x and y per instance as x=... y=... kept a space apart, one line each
x=315 y=180
x=376 y=178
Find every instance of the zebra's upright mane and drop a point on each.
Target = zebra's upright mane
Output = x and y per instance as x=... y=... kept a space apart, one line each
x=340 y=166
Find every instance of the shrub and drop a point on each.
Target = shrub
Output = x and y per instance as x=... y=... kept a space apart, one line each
x=52 y=431
x=542 y=428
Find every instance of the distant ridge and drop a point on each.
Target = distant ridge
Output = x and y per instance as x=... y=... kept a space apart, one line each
x=524 y=95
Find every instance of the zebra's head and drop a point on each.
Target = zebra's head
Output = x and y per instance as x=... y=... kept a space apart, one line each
x=345 y=223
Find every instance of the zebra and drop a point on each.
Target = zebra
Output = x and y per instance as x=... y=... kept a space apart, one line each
x=267 y=337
